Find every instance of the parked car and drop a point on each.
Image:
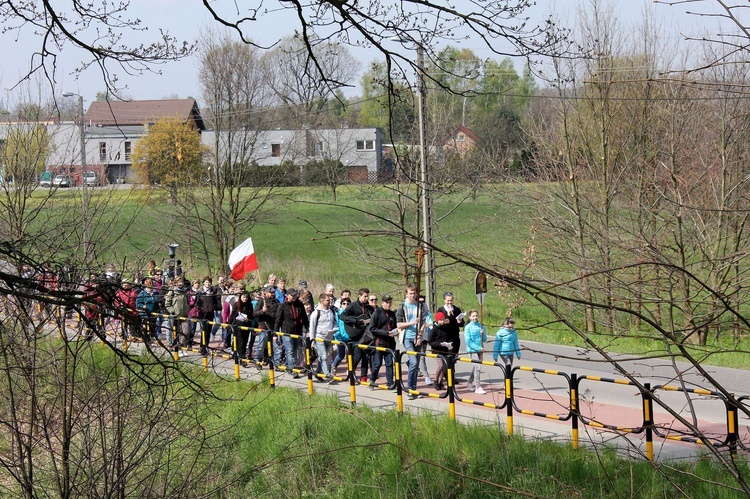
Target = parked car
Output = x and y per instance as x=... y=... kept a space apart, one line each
x=90 y=179
x=45 y=180
x=63 y=181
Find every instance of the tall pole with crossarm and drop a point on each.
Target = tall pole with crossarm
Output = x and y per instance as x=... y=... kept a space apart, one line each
x=426 y=191
x=84 y=193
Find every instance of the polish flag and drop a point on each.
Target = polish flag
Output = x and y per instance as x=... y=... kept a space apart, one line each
x=242 y=259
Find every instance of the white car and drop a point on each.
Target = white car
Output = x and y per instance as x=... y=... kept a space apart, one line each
x=89 y=178
x=63 y=181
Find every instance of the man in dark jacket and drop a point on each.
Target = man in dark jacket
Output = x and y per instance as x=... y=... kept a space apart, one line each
x=291 y=319
x=384 y=331
x=265 y=314
x=208 y=302
x=356 y=317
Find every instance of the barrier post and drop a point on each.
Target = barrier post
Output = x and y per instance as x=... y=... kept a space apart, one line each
x=397 y=375
x=732 y=422
x=236 y=357
x=450 y=367
x=175 y=342
x=271 y=363
x=308 y=365
x=574 y=409
x=648 y=420
x=509 y=398
x=100 y=324
x=204 y=348
x=350 y=371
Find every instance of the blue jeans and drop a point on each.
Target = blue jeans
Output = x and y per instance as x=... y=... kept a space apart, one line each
x=323 y=347
x=411 y=380
x=377 y=361
x=290 y=348
x=340 y=356
x=260 y=352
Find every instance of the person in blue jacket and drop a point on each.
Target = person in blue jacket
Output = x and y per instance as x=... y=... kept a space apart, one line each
x=506 y=342
x=475 y=335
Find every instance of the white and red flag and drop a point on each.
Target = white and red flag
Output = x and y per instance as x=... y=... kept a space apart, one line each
x=242 y=259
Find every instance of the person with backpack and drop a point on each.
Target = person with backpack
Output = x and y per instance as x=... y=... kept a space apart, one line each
x=384 y=332
x=176 y=302
x=340 y=335
x=411 y=318
x=323 y=324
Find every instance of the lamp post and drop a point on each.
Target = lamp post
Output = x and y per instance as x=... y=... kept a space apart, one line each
x=425 y=195
x=84 y=193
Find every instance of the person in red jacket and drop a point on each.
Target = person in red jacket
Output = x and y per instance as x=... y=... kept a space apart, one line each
x=125 y=308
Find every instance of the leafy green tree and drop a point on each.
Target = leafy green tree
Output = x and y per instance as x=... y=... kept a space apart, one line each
x=170 y=155
x=386 y=104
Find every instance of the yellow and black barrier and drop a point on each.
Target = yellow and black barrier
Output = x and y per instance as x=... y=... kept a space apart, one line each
x=732 y=441
x=489 y=405
x=731 y=420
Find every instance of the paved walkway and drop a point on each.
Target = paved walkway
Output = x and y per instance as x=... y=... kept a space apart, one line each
x=535 y=393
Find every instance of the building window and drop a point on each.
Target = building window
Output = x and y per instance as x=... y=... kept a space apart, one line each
x=275 y=150
x=461 y=137
x=128 y=150
x=265 y=145
x=102 y=151
x=365 y=145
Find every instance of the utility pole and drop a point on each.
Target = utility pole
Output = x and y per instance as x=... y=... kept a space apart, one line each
x=425 y=189
x=84 y=192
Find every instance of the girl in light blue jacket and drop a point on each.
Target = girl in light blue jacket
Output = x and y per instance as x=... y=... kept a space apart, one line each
x=475 y=335
x=506 y=342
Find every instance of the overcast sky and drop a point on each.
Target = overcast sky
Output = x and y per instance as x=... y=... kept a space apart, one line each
x=185 y=18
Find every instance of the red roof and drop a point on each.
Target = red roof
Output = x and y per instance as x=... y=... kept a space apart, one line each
x=142 y=112
x=466 y=132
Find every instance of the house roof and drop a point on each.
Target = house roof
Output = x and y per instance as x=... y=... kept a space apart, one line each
x=466 y=132
x=141 y=112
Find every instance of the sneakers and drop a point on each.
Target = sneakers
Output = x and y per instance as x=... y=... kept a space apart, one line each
x=413 y=396
x=470 y=386
x=427 y=380
x=479 y=391
x=392 y=387
x=296 y=376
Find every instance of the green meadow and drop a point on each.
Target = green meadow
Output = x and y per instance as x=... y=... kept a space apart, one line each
x=303 y=234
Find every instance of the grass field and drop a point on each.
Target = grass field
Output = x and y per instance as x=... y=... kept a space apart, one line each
x=306 y=236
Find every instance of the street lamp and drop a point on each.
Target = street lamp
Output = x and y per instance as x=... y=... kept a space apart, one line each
x=425 y=194
x=84 y=194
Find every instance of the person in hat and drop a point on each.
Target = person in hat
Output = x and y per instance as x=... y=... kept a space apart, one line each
x=384 y=331
x=305 y=296
x=291 y=319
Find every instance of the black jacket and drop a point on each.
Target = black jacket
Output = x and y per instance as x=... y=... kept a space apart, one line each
x=266 y=319
x=355 y=318
x=291 y=318
x=382 y=322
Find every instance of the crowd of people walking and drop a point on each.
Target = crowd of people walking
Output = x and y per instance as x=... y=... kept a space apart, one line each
x=165 y=307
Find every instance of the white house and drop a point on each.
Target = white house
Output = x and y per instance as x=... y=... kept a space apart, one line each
x=111 y=131
x=358 y=149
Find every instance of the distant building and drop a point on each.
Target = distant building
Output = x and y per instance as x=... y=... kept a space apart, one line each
x=461 y=140
x=358 y=149
x=112 y=128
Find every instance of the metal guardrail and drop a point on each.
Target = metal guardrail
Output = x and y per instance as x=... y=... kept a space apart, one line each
x=572 y=412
